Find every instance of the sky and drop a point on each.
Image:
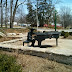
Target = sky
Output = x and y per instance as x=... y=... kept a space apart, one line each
x=67 y=3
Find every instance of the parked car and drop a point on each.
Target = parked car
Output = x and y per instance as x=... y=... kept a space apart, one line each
x=45 y=25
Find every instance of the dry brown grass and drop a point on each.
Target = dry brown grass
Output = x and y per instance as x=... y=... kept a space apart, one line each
x=37 y=64
x=14 y=30
x=7 y=38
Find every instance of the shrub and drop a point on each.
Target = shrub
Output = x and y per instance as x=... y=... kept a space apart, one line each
x=70 y=33
x=66 y=34
x=62 y=33
x=50 y=26
x=45 y=25
x=59 y=27
x=8 y=64
x=0 y=36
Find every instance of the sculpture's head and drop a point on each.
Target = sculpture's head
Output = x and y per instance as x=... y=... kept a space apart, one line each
x=32 y=29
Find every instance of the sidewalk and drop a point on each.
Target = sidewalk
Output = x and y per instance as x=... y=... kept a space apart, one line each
x=62 y=53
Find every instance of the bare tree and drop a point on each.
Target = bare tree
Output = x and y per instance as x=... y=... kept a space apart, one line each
x=65 y=16
x=22 y=17
x=14 y=12
x=6 y=15
x=12 y=16
x=11 y=3
x=1 y=14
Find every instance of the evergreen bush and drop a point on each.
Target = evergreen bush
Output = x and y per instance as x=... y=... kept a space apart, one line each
x=8 y=64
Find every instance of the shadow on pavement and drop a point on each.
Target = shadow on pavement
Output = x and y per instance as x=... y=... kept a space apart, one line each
x=44 y=46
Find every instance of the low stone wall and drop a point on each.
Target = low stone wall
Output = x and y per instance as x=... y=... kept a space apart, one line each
x=51 y=56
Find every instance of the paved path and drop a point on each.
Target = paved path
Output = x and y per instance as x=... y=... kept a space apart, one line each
x=67 y=30
x=64 y=46
x=62 y=53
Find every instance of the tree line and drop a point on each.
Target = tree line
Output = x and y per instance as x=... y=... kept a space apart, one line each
x=46 y=13
x=44 y=10
x=9 y=7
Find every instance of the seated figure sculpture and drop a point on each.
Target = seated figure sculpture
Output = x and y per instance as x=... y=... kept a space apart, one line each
x=29 y=36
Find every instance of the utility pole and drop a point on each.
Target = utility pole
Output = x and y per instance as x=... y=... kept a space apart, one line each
x=55 y=28
x=63 y=23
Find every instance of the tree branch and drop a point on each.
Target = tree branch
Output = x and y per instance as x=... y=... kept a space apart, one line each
x=20 y=4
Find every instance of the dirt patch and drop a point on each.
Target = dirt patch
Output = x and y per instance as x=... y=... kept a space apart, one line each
x=8 y=38
x=69 y=37
x=37 y=64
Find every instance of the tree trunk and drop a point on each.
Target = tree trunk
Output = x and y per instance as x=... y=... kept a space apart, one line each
x=11 y=3
x=1 y=14
x=6 y=15
x=14 y=12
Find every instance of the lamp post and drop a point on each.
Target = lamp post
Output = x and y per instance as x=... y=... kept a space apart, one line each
x=37 y=16
x=55 y=28
x=55 y=19
x=37 y=19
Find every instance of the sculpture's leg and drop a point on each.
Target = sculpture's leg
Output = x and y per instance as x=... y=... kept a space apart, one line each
x=56 y=41
x=33 y=42
x=23 y=43
x=39 y=43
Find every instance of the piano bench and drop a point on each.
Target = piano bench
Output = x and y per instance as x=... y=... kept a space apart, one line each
x=26 y=42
